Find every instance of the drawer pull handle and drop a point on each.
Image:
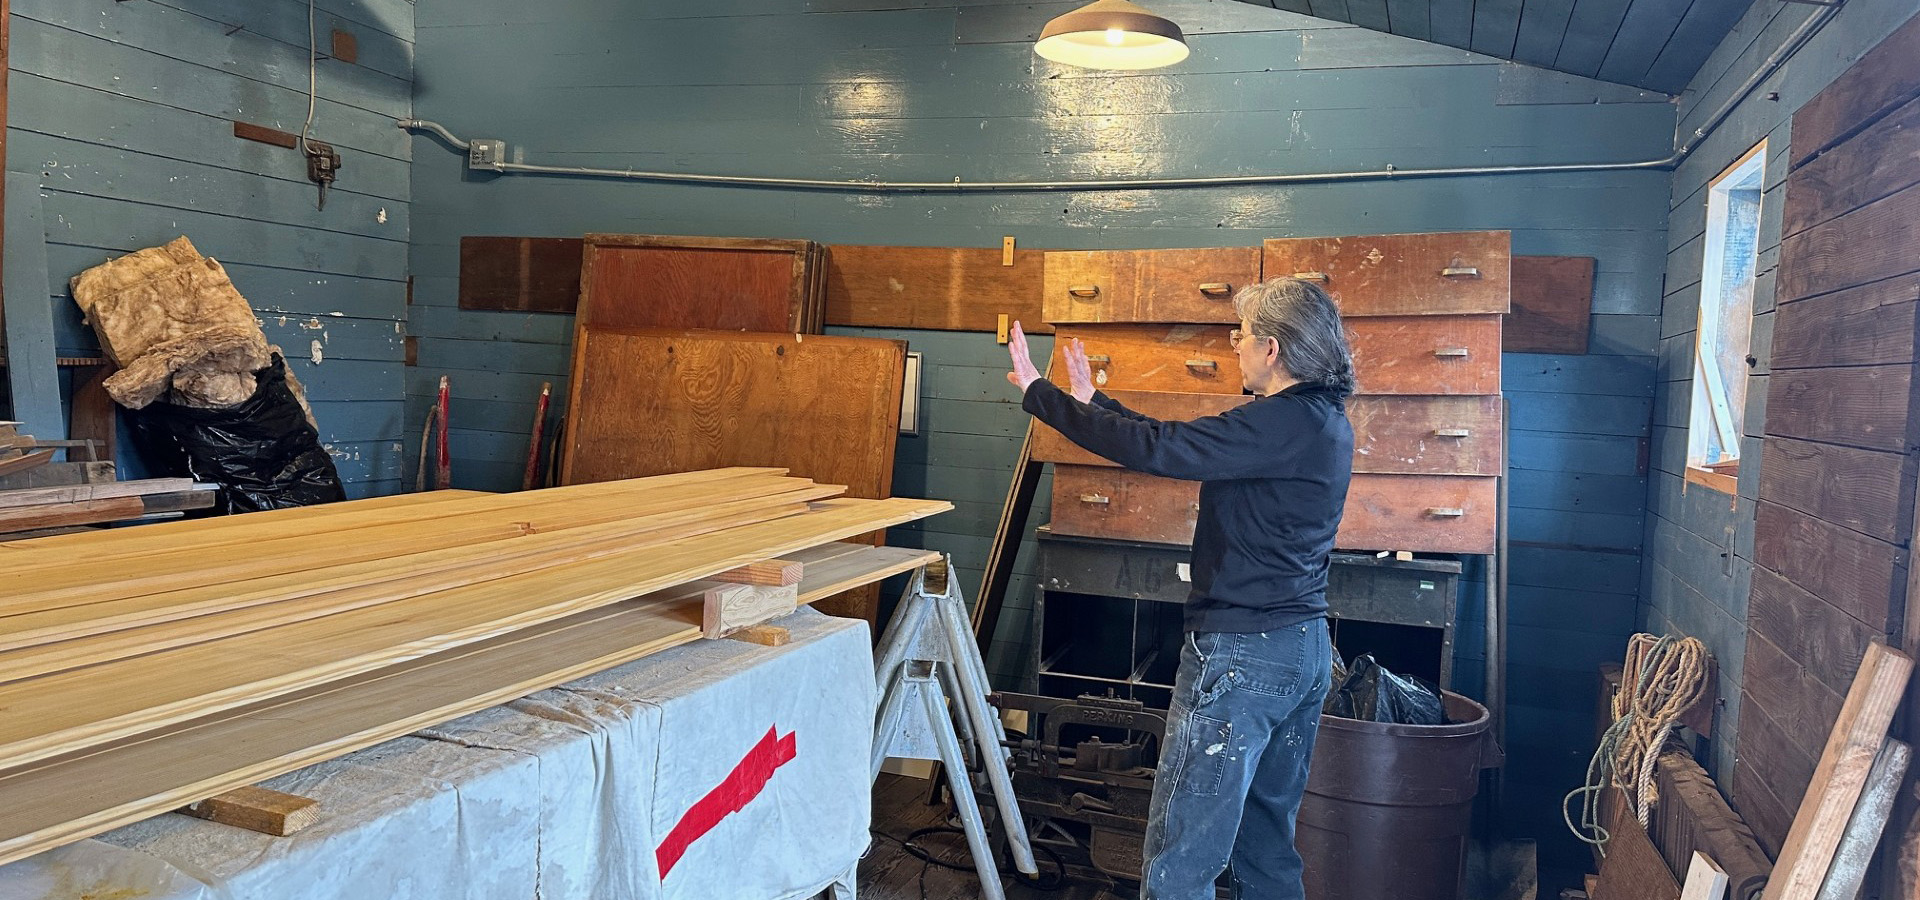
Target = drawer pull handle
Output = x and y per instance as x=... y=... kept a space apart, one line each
x=1460 y=272
x=1085 y=291
x=1443 y=352
x=1100 y=499
x=1446 y=512
x=1102 y=359
x=1202 y=364
x=1321 y=277
x=1216 y=288
x=1451 y=432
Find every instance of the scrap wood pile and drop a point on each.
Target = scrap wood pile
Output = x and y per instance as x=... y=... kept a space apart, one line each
x=31 y=503
x=144 y=669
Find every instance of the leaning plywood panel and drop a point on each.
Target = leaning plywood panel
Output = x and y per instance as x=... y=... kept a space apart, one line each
x=666 y=281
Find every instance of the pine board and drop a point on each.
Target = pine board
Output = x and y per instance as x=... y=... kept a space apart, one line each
x=63 y=712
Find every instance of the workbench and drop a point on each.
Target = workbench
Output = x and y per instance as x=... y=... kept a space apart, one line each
x=753 y=758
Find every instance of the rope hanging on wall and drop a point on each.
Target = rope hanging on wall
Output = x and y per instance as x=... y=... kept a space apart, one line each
x=1662 y=678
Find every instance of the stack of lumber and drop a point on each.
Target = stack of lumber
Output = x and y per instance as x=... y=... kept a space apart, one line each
x=144 y=669
x=29 y=507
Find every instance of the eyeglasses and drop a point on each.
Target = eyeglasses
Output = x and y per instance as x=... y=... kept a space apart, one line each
x=1235 y=336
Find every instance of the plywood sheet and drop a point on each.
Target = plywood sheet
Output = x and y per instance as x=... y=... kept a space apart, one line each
x=733 y=284
x=1552 y=305
x=937 y=288
x=520 y=274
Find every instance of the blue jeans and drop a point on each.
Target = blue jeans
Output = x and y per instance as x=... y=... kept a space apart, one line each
x=1240 y=732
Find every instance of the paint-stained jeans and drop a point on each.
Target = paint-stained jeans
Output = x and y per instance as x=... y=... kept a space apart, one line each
x=1240 y=731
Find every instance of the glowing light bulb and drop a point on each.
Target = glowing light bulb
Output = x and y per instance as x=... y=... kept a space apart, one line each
x=1115 y=37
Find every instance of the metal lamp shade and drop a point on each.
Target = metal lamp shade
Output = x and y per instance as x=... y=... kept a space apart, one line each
x=1112 y=34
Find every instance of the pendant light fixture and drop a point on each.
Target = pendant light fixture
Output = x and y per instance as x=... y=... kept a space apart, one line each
x=1112 y=34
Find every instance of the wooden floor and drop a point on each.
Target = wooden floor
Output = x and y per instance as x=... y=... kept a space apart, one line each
x=891 y=873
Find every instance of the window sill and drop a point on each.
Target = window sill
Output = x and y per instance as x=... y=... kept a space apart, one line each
x=1724 y=482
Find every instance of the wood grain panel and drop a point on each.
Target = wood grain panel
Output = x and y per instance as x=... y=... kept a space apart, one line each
x=1873 y=242
x=1826 y=642
x=1552 y=305
x=1413 y=512
x=1402 y=274
x=1117 y=503
x=1883 y=79
x=1172 y=286
x=1633 y=869
x=1051 y=446
x=1864 y=490
x=1403 y=435
x=1869 y=325
x=1756 y=792
x=1855 y=573
x=1868 y=166
x=1426 y=354
x=1864 y=406
x=1179 y=358
x=1804 y=708
x=938 y=288
x=732 y=284
x=520 y=274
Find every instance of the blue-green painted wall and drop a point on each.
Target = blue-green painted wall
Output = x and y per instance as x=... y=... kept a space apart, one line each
x=124 y=112
x=951 y=89
x=1700 y=542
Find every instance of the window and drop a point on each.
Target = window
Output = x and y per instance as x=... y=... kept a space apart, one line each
x=1726 y=323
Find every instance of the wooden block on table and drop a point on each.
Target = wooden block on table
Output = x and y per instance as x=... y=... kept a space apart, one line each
x=1841 y=776
x=728 y=608
x=1705 y=881
x=764 y=635
x=768 y=571
x=258 y=809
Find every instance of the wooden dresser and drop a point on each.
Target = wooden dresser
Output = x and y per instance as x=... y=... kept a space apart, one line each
x=1423 y=314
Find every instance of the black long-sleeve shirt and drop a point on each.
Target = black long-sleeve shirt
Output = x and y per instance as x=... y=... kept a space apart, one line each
x=1273 y=479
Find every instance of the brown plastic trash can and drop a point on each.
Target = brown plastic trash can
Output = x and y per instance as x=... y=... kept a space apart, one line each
x=1388 y=807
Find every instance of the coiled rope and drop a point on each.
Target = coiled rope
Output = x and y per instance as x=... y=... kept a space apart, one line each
x=1662 y=678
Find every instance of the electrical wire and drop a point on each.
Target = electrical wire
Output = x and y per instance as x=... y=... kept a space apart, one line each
x=313 y=80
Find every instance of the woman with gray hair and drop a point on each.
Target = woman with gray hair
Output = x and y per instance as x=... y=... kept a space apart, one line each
x=1256 y=661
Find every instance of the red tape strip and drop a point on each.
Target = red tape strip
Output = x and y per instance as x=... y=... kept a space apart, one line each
x=744 y=783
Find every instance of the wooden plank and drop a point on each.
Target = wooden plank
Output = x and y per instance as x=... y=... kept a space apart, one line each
x=187 y=535
x=1868 y=244
x=107 y=491
x=1402 y=274
x=520 y=274
x=767 y=572
x=1827 y=643
x=1855 y=573
x=67 y=711
x=1705 y=880
x=1552 y=305
x=1869 y=325
x=1841 y=776
x=1870 y=165
x=1167 y=286
x=728 y=608
x=658 y=281
x=940 y=288
x=1883 y=80
x=1858 y=406
x=92 y=414
x=247 y=131
x=1861 y=836
x=25 y=461
x=26 y=312
x=188 y=762
x=764 y=635
x=1758 y=804
x=1799 y=705
x=1633 y=869
x=257 y=809
x=1854 y=488
x=55 y=515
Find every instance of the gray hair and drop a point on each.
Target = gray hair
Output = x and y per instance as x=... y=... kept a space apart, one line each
x=1306 y=322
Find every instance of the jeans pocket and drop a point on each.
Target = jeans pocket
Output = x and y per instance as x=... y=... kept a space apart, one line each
x=1208 y=743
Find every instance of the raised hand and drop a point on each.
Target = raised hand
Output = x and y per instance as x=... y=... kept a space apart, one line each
x=1079 y=372
x=1023 y=373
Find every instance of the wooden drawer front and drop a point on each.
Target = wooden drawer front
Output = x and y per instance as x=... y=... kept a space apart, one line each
x=1052 y=446
x=1148 y=285
x=1425 y=354
x=1427 y=513
x=1181 y=358
x=1425 y=435
x=1430 y=513
x=1401 y=274
x=1117 y=503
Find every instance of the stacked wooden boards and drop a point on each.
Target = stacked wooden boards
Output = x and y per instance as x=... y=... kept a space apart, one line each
x=692 y=353
x=1423 y=315
x=153 y=667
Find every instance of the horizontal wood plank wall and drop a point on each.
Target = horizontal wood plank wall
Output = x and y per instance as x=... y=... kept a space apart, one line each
x=867 y=89
x=127 y=109
x=1701 y=577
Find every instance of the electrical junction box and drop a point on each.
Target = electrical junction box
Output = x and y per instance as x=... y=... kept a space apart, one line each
x=487 y=154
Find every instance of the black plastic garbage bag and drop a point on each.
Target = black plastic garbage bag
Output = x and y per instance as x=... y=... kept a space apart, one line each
x=1370 y=693
x=263 y=452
